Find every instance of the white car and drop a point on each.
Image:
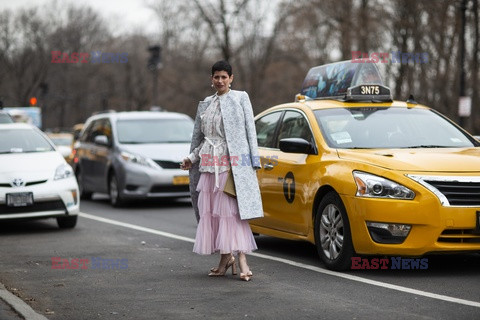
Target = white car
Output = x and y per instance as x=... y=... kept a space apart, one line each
x=35 y=180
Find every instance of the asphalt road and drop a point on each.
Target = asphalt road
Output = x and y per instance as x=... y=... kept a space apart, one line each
x=153 y=274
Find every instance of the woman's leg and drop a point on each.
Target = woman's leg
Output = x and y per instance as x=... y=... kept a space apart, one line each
x=245 y=273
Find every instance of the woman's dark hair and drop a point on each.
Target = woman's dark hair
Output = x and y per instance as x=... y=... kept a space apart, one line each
x=222 y=65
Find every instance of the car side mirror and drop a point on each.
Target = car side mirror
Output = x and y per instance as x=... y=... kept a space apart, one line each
x=297 y=145
x=101 y=140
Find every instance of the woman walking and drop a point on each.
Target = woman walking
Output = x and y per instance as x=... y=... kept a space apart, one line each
x=224 y=139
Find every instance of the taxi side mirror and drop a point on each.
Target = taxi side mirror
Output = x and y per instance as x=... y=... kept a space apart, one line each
x=297 y=145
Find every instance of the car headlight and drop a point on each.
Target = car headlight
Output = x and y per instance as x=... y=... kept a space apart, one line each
x=134 y=158
x=63 y=171
x=372 y=186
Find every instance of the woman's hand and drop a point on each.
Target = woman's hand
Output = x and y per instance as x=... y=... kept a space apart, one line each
x=186 y=164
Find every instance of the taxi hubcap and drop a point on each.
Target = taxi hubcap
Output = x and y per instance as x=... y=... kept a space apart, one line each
x=331 y=231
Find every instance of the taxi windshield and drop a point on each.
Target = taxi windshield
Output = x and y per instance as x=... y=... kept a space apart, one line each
x=389 y=127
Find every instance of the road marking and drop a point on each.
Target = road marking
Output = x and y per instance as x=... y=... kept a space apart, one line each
x=298 y=264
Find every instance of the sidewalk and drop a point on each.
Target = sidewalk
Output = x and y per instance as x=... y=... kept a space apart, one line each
x=14 y=308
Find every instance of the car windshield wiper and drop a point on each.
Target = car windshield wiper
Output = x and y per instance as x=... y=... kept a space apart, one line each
x=133 y=142
x=175 y=141
x=427 y=146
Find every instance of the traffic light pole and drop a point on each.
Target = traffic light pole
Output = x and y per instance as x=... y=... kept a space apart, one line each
x=155 y=86
x=154 y=63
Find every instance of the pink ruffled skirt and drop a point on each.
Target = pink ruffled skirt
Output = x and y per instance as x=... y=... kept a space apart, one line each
x=220 y=228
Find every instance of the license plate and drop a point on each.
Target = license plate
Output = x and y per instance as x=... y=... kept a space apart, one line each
x=21 y=199
x=181 y=180
x=477 y=218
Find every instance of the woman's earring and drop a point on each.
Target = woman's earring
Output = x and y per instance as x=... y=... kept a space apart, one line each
x=211 y=85
x=230 y=85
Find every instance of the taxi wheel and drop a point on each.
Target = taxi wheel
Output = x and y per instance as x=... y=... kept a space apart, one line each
x=332 y=233
x=85 y=195
x=115 y=199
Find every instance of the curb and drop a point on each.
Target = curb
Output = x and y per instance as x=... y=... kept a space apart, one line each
x=22 y=308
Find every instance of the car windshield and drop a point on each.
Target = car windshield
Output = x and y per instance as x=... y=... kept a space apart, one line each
x=5 y=118
x=154 y=131
x=389 y=127
x=23 y=140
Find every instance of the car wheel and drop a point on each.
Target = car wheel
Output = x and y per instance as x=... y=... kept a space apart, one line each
x=85 y=195
x=332 y=233
x=67 y=222
x=115 y=199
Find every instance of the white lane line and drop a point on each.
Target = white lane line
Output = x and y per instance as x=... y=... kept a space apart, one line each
x=298 y=264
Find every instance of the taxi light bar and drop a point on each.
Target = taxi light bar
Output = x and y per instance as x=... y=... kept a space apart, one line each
x=331 y=81
x=369 y=92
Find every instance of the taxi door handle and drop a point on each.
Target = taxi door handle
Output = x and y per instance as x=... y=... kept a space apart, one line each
x=268 y=166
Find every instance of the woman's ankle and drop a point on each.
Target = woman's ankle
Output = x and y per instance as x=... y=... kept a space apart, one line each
x=242 y=261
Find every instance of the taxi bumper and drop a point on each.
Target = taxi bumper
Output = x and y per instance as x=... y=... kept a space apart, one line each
x=433 y=227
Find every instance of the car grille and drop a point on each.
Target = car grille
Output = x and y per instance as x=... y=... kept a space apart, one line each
x=31 y=183
x=459 y=236
x=34 y=182
x=453 y=191
x=36 y=207
x=459 y=193
x=169 y=189
x=168 y=164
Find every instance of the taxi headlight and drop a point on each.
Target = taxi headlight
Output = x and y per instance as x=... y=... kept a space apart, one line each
x=135 y=158
x=372 y=186
x=63 y=171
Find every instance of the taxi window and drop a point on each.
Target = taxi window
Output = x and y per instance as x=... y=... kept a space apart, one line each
x=294 y=125
x=265 y=127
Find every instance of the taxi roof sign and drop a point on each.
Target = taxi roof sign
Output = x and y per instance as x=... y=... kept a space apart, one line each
x=333 y=80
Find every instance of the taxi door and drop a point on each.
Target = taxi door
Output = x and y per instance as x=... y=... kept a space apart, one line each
x=285 y=179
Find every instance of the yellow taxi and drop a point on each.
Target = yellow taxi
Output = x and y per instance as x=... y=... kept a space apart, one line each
x=354 y=172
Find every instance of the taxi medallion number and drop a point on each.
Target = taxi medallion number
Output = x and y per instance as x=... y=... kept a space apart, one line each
x=20 y=199
x=367 y=89
x=178 y=180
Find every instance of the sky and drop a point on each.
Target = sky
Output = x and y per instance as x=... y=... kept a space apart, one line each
x=134 y=13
